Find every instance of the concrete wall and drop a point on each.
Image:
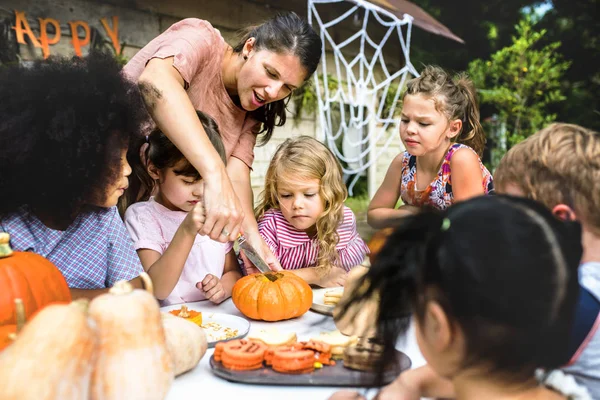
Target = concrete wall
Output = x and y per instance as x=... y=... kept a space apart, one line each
x=142 y=20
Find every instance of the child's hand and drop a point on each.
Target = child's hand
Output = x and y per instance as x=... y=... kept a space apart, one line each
x=212 y=288
x=346 y=395
x=335 y=277
x=398 y=390
x=194 y=220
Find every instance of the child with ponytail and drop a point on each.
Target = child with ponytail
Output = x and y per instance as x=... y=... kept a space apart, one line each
x=444 y=141
x=492 y=308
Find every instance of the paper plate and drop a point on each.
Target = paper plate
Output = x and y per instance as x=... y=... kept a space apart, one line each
x=318 y=303
x=219 y=327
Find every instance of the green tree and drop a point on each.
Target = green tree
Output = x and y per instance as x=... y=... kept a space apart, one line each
x=576 y=25
x=520 y=82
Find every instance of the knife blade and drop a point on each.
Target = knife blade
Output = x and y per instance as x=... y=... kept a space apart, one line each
x=252 y=254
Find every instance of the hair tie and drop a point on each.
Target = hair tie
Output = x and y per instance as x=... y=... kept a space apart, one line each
x=445 y=224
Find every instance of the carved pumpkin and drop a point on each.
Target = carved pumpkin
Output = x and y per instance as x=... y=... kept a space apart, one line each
x=52 y=357
x=133 y=360
x=31 y=278
x=273 y=296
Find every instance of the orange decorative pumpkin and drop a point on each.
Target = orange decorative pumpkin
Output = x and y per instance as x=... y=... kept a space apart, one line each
x=273 y=296
x=377 y=241
x=29 y=277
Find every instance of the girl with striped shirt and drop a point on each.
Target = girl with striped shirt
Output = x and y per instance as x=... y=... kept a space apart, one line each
x=302 y=217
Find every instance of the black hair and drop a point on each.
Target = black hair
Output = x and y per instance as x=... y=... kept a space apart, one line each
x=63 y=126
x=503 y=269
x=284 y=33
x=163 y=154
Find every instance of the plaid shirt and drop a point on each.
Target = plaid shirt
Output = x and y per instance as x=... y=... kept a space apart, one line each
x=94 y=252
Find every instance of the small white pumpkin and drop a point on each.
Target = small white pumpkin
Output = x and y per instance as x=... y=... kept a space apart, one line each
x=186 y=342
x=52 y=356
x=133 y=361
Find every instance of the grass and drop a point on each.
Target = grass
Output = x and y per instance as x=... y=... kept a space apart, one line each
x=358 y=204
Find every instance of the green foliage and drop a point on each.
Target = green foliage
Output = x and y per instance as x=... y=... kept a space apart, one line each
x=305 y=97
x=521 y=81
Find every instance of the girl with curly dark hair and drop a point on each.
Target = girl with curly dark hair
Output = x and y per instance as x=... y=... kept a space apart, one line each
x=244 y=88
x=64 y=132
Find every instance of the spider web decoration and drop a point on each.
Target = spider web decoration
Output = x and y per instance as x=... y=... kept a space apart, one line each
x=357 y=96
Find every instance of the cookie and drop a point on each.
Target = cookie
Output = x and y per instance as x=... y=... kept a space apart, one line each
x=365 y=356
x=293 y=360
x=337 y=341
x=240 y=355
x=272 y=337
x=332 y=297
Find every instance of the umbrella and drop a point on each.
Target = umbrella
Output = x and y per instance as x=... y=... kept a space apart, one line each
x=420 y=17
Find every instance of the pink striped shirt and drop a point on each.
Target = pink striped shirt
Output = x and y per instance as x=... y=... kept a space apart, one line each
x=295 y=249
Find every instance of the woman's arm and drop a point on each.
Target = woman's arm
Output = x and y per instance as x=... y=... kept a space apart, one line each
x=240 y=178
x=382 y=213
x=467 y=178
x=162 y=88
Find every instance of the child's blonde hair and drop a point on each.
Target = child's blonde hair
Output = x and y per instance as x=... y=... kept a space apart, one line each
x=304 y=157
x=558 y=165
x=456 y=98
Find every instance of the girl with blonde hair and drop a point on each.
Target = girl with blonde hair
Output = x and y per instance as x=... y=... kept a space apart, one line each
x=302 y=217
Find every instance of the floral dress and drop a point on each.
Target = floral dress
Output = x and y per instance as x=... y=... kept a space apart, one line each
x=439 y=192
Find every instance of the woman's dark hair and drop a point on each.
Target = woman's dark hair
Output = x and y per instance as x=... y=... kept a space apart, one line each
x=284 y=33
x=503 y=269
x=163 y=154
x=63 y=126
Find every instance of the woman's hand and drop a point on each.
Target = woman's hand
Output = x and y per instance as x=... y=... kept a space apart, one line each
x=264 y=251
x=224 y=212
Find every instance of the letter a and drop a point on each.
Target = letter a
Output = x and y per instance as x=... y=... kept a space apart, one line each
x=22 y=27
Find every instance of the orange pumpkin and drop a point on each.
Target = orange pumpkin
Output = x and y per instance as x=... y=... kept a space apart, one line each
x=377 y=241
x=29 y=277
x=273 y=296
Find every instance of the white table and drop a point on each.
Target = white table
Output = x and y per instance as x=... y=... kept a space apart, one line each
x=199 y=382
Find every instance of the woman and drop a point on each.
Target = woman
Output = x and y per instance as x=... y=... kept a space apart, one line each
x=190 y=67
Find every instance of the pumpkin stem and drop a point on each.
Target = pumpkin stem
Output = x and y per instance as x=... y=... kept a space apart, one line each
x=121 y=287
x=147 y=283
x=183 y=313
x=273 y=276
x=5 y=249
x=20 y=314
